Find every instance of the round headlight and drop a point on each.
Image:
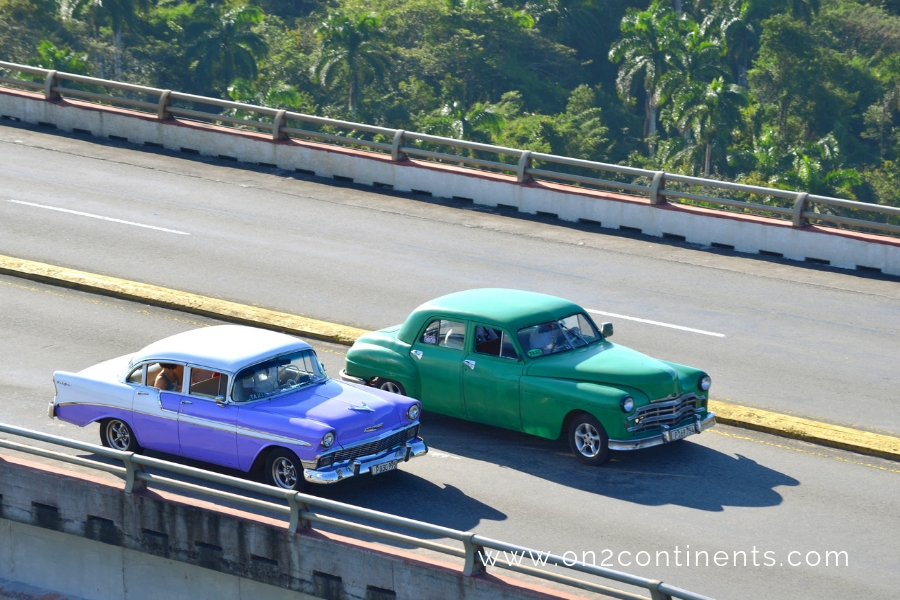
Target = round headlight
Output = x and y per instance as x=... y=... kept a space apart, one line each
x=328 y=440
x=413 y=412
x=705 y=382
x=627 y=404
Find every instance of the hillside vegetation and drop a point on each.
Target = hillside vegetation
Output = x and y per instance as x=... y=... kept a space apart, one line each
x=800 y=94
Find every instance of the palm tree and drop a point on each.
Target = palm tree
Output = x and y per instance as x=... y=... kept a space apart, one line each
x=735 y=23
x=694 y=58
x=457 y=122
x=709 y=112
x=643 y=49
x=354 y=46
x=225 y=47
x=119 y=14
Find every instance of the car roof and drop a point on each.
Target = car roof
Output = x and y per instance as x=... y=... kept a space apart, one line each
x=221 y=347
x=508 y=308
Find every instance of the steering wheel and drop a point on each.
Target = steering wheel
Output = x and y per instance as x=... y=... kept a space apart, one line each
x=289 y=375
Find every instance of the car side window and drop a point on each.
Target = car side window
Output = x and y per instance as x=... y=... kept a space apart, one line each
x=207 y=384
x=136 y=376
x=494 y=342
x=441 y=332
x=167 y=377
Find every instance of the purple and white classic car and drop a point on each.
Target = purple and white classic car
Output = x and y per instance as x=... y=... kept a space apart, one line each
x=243 y=398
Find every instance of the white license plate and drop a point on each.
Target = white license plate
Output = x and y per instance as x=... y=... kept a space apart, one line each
x=673 y=435
x=383 y=467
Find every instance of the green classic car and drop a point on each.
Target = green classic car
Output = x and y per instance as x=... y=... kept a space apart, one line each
x=534 y=363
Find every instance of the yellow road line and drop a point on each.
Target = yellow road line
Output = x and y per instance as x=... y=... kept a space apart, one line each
x=183 y=301
x=806 y=429
x=801 y=450
x=730 y=414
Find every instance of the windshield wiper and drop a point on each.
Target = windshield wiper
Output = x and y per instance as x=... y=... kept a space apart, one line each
x=578 y=335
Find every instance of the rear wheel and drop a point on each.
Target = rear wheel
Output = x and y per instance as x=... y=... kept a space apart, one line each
x=118 y=435
x=588 y=440
x=284 y=470
x=391 y=386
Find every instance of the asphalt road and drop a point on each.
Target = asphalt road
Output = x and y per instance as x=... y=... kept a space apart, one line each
x=727 y=490
x=789 y=338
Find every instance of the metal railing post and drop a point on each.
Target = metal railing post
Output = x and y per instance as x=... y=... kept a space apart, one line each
x=297 y=507
x=162 y=108
x=277 y=124
x=522 y=175
x=799 y=207
x=474 y=554
x=658 y=183
x=50 y=82
x=132 y=483
x=655 y=593
x=396 y=153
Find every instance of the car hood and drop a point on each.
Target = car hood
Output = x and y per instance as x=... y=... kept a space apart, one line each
x=610 y=364
x=349 y=410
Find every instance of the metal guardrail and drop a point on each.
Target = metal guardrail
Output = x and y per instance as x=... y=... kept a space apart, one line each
x=797 y=206
x=301 y=516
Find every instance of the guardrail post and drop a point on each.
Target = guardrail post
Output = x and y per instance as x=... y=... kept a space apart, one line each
x=297 y=523
x=396 y=153
x=162 y=108
x=522 y=175
x=49 y=83
x=277 y=124
x=655 y=593
x=799 y=207
x=474 y=554
x=658 y=183
x=132 y=483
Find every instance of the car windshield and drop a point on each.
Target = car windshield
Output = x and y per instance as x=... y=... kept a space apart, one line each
x=557 y=336
x=278 y=375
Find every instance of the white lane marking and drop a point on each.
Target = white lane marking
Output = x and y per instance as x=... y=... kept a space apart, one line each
x=609 y=314
x=84 y=214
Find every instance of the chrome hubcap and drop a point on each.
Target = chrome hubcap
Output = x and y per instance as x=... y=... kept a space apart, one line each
x=390 y=386
x=118 y=435
x=587 y=440
x=284 y=473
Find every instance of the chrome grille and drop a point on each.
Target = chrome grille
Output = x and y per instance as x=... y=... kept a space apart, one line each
x=375 y=446
x=668 y=413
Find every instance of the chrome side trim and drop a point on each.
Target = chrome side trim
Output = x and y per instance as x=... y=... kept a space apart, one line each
x=271 y=437
x=657 y=440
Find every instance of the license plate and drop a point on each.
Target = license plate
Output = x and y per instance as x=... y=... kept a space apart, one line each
x=383 y=467
x=673 y=435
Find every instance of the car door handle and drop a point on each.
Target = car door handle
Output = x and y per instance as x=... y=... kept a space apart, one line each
x=469 y=363
x=186 y=402
x=416 y=353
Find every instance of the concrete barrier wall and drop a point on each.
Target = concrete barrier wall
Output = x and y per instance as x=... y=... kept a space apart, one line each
x=744 y=233
x=83 y=536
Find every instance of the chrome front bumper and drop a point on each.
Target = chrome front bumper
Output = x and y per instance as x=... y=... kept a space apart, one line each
x=360 y=466
x=656 y=440
x=351 y=378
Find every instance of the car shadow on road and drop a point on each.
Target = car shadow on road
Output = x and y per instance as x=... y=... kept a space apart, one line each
x=683 y=474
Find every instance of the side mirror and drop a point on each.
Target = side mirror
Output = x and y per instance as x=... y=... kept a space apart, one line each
x=606 y=329
x=220 y=400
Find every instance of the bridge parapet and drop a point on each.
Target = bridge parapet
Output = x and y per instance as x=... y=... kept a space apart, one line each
x=725 y=215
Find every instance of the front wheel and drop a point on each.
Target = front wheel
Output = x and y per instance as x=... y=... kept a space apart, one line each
x=118 y=435
x=284 y=470
x=390 y=386
x=588 y=440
